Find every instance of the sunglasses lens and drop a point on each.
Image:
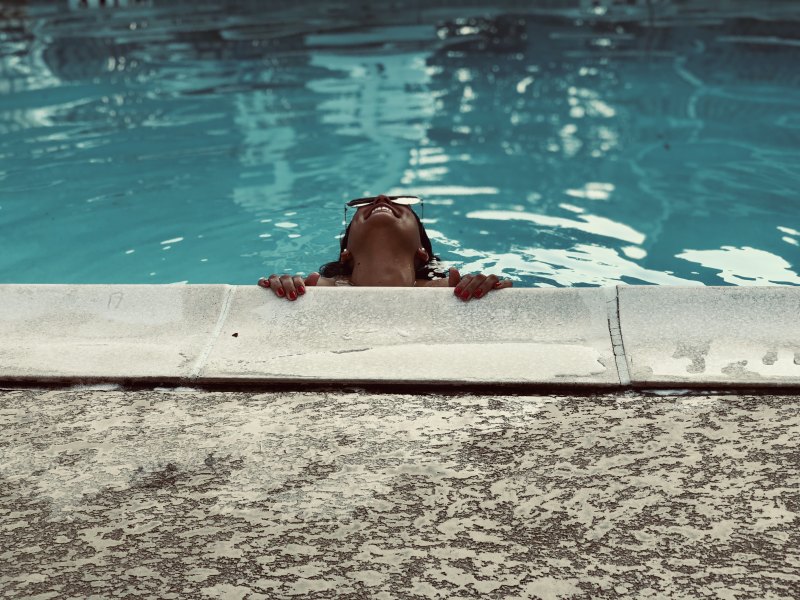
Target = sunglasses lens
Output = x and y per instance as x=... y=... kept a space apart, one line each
x=404 y=200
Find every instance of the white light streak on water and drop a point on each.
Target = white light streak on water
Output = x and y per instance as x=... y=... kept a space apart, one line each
x=571 y=142
x=744 y=266
x=523 y=85
x=602 y=109
x=468 y=30
x=593 y=190
x=634 y=252
x=439 y=158
x=590 y=224
x=172 y=241
x=431 y=174
x=594 y=265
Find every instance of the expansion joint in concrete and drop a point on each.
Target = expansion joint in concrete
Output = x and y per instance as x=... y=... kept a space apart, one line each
x=615 y=331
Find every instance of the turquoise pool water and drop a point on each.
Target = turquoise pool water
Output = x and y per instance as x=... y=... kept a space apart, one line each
x=179 y=142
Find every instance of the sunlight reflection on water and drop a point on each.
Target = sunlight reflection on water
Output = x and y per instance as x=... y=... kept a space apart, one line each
x=577 y=149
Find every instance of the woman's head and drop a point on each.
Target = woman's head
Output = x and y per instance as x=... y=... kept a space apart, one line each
x=389 y=224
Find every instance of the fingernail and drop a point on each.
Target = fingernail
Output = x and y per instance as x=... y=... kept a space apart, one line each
x=301 y=289
x=280 y=292
x=457 y=291
x=292 y=295
x=465 y=295
x=478 y=293
x=498 y=284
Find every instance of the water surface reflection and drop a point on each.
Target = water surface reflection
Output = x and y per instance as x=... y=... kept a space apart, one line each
x=556 y=149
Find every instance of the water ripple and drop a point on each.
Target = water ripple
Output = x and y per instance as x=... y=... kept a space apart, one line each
x=642 y=144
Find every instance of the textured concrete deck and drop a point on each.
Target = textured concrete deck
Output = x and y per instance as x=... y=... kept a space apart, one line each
x=234 y=495
x=551 y=338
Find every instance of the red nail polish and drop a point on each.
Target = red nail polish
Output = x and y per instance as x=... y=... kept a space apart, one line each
x=498 y=284
x=301 y=289
x=280 y=292
x=465 y=295
x=292 y=295
x=457 y=292
x=478 y=293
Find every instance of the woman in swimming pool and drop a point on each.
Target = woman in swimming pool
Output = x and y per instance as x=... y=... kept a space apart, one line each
x=385 y=244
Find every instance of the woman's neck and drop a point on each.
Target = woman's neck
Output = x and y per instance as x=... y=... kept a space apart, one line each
x=383 y=266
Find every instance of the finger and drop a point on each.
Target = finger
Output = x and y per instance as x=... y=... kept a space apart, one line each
x=312 y=279
x=298 y=285
x=473 y=286
x=271 y=283
x=288 y=287
x=485 y=287
x=454 y=277
x=503 y=283
x=462 y=289
x=275 y=285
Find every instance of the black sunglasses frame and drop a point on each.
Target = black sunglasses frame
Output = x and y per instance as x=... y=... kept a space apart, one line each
x=373 y=199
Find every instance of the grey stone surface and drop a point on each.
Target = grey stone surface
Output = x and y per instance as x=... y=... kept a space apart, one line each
x=423 y=335
x=120 y=331
x=711 y=335
x=195 y=495
x=592 y=337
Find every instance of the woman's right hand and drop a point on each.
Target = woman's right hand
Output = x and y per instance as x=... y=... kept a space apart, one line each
x=288 y=286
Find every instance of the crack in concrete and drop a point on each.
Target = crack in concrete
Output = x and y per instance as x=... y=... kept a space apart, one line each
x=223 y=316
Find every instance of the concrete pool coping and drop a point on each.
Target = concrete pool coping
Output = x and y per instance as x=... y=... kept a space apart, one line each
x=611 y=338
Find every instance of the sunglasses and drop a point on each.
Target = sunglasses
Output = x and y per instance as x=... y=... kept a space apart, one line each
x=402 y=200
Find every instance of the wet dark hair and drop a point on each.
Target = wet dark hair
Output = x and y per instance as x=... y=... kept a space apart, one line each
x=429 y=270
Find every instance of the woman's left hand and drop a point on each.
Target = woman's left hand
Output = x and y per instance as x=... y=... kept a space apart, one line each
x=477 y=285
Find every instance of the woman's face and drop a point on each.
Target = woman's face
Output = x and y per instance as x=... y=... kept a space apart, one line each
x=386 y=223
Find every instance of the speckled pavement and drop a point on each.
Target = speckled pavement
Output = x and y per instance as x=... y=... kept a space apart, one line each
x=162 y=494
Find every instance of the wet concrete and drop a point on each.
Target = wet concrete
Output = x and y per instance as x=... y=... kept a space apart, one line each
x=165 y=494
